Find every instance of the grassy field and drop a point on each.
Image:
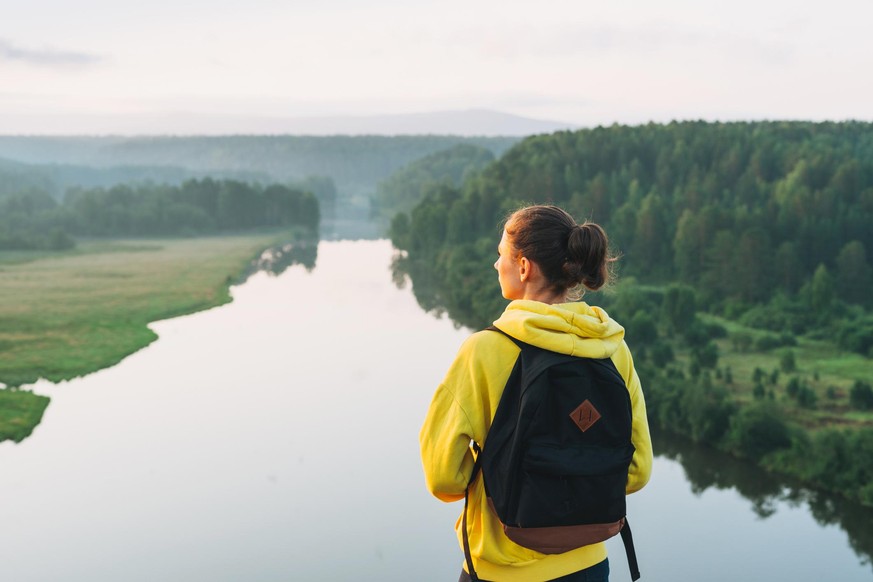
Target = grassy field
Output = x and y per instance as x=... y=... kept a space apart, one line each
x=828 y=371
x=20 y=412
x=64 y=315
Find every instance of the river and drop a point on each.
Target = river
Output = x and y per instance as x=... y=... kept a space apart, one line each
x=275 y=439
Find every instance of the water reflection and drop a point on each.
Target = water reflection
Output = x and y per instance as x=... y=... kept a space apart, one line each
x=451 y=293
x=709 y=468
x=277 y=259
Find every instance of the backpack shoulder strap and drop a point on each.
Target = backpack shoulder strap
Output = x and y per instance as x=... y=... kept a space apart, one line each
x=628 y=541
x=467 y=555
x=517 y=342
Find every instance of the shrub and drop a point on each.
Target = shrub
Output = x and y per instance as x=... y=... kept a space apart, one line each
x=661 y=354
x=757 y=430
x=856 y=335
x=861 y=396
x=787 y=361
x=758 y=391
x=767 y=341
x=806 y=397
x=793 y=387
x=706 y=356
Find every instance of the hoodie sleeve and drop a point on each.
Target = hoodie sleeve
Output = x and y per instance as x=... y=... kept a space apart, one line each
x=446 y=434
x=641 y=465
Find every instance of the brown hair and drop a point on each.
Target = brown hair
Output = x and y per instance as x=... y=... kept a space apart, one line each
x=569 y=254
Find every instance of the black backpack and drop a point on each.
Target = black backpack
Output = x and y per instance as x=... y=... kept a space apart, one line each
x=556 y=459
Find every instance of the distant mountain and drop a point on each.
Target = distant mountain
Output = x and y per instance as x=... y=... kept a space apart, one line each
x=470 y=122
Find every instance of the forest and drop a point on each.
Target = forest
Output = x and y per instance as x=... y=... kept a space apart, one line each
x=744 y=274
x=33 y=219
x=356 y=164
x=406 y=187
x=342 y=171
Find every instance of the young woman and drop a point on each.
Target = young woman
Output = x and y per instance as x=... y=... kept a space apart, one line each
x=545 y=259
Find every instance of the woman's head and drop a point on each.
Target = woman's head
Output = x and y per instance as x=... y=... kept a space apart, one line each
x=565 y=254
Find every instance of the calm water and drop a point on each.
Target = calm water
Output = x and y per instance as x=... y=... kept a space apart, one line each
x=275 y=438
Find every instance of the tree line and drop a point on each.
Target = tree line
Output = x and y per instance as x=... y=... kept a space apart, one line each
x=32 y=219
x=760 y=218
x=406 y=187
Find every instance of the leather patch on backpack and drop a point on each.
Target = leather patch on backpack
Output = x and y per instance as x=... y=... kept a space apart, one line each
x=585 y=415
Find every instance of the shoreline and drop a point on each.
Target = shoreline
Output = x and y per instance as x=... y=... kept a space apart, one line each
x=67 y=315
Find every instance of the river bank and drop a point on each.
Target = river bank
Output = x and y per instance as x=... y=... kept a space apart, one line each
x=64 y=315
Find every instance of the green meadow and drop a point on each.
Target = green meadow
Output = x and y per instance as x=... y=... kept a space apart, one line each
x=66 y=314
x=820 y=365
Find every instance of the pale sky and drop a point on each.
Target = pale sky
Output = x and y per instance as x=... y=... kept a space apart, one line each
x=578 y=61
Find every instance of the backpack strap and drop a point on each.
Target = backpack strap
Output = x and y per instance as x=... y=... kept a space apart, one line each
x=517 y=342
x=467 y=555
x=628 y=541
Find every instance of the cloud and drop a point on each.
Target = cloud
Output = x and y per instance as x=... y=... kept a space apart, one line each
x=46 y=57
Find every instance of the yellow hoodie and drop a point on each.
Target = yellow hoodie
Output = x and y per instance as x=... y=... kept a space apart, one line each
x=463 y=408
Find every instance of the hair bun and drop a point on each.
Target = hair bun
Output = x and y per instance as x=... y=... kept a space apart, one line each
x=568 y=253
x=588 y=246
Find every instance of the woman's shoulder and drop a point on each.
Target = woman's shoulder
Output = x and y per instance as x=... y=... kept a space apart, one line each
x=488 y=341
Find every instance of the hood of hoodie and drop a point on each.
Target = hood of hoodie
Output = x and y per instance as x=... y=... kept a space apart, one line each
x=577 y=329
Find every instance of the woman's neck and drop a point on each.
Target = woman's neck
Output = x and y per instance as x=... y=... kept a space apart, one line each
x=545 y=296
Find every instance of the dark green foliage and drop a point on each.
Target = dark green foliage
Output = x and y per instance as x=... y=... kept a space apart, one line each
x=758 y=391
x=641 y=330
x=37 y=221
x=197 y=206
x=32 y=220
x=837 y=460
x=806 y=397
x=758 y=429
x=861 y=396
x=856 y=335
x=793 y=387
x=774 y=376
x=781 y=314
x=409 y=185
x=801 y=392
x=698 y=407
x=661 y=354
x=700 y=332
x=709 y=412
x=854 y=274
x=679 y=307
x=787 y=362
x=706 y=356
x=758 y=375
x=740 y=211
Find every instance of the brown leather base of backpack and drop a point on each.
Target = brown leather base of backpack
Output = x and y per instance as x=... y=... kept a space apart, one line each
x=560 y=539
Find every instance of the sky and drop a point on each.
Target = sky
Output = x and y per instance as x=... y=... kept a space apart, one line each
x=65 y=65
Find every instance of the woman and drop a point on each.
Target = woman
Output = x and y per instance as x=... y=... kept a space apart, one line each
x=545 y=257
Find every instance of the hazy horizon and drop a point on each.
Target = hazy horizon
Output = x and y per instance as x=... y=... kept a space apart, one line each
x=109 y=67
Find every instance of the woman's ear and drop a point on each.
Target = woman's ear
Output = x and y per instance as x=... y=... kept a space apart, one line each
x=524 y=269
